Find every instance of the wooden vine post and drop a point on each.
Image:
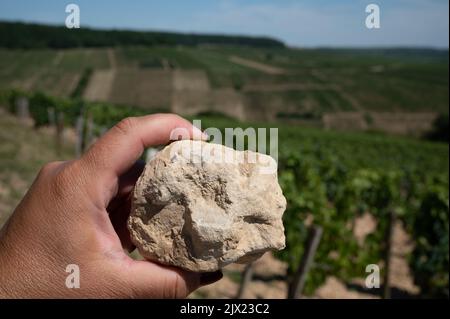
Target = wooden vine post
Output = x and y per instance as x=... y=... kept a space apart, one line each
x=299 y=279
x=59 y=131
x=22 y=109
x=79 y=128
x=89 y=138
x=388 y=254
x=247 y=275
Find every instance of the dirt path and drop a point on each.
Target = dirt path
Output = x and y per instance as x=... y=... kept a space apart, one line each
x=401 y=275
x=283 y=87
x=112 y=58
x=100 y=85
x=58 y=58
x=101 y=82
x=257 y=65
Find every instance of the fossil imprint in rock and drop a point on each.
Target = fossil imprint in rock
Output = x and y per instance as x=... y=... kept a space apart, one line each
x=200 y=206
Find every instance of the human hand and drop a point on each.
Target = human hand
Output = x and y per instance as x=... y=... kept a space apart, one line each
x=75 y=213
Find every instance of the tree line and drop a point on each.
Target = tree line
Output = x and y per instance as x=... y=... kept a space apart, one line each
x=17 y=35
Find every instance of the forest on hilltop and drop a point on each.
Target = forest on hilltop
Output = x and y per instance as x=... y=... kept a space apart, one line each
x=15 y=35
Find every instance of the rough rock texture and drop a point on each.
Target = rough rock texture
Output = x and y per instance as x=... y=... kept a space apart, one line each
x=196 y=209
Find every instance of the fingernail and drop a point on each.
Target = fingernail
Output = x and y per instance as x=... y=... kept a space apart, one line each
x=210 y=277
x=197 y=134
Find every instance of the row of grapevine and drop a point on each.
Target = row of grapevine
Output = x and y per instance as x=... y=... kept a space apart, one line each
x=103 y=114
x=335 y=197
x=336 y=177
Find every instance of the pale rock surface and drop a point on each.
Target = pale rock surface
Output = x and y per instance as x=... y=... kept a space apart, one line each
x=196 y=209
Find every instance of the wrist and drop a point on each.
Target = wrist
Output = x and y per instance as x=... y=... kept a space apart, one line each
x=5 y=273
x=10 y=266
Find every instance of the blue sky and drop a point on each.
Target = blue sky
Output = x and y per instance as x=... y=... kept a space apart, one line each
x=299 y=23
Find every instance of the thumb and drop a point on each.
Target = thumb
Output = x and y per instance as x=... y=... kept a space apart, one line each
x=151 y=280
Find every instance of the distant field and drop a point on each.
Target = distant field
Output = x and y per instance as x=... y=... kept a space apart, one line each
x=56 y=72
x=306 y=85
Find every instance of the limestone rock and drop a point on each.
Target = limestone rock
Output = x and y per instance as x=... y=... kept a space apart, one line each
x=201 y=206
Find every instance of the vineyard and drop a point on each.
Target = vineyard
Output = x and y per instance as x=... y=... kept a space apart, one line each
x=348 y=89
x=336 y=178
x=329 y=179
